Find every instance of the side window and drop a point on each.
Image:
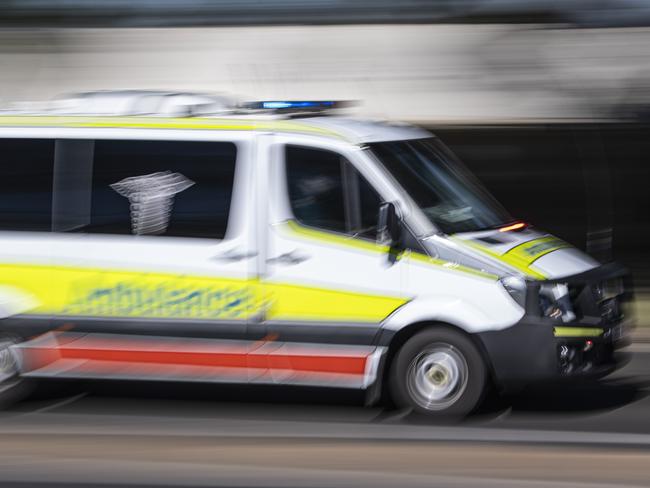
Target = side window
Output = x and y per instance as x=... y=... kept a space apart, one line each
x=26 y=175
x=327 y=192
x=167 y=188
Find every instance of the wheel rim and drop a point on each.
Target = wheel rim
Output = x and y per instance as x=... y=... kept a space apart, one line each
x=437 y=377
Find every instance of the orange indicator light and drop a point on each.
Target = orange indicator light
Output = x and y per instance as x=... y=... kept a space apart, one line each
x=517 y=226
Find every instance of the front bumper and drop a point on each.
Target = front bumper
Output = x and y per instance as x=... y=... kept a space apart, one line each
x=535 y=351
x=539 y=349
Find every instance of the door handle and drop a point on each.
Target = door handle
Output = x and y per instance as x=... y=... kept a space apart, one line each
x=233 y=256
x=289 y=258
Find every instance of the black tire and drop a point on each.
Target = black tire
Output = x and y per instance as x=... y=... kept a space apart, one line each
x=429 y=359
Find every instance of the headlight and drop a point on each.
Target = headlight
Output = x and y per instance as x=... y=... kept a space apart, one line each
x=555 y=302
x=517 y=288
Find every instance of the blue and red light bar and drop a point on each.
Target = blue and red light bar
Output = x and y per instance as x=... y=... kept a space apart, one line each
x=296 y=105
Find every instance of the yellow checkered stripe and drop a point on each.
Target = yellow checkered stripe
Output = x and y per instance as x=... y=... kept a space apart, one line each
x=74 y=291
x=523 y=256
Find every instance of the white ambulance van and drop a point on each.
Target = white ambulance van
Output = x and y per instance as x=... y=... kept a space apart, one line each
x=266 y=246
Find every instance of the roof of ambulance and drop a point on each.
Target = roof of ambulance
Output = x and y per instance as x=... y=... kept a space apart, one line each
x=360 y=131
x=349 y=129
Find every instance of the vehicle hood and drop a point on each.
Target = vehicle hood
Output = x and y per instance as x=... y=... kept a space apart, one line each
x=532 y=253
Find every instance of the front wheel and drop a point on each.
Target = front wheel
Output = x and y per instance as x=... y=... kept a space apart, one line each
x=438 y=372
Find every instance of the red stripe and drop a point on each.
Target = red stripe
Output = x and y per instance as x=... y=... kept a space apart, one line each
x=297 y=362
x=229 y=360
x=322 y=364
x=76 y=368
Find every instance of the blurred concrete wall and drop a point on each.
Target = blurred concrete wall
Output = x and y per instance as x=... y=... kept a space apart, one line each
x=419 y=73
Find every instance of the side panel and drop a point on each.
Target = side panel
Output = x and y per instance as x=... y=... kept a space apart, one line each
x=333 y=278
x=323 y=287
x=106 y=291
x=318 y=276
x=451 y=293
x=193 y=272
x=102 y=305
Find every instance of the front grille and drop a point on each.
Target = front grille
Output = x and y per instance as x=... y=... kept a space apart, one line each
x=596 y=298
x=588 y=303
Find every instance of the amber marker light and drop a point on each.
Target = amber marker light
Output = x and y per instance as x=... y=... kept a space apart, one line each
x=517 y=226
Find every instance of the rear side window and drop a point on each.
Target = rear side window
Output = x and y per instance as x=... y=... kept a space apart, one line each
x=26 y=175
x=170 y=188
x=327 y=192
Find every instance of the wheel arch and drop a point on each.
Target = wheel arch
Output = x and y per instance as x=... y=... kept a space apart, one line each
x=393 y=340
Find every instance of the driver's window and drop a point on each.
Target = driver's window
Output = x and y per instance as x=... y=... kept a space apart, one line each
x=327 y=192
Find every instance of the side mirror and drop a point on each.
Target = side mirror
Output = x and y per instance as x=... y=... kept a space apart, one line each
x=389 y=226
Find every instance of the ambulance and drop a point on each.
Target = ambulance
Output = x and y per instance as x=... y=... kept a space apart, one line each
x=280 y=243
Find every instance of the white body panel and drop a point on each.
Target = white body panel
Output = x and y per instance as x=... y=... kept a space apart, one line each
x=565 y=262
x=323 y=264
x=562 y=260
x=472 y=303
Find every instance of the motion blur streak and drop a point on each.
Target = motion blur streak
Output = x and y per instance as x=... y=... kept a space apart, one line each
x=296 y=463
x=417 y=73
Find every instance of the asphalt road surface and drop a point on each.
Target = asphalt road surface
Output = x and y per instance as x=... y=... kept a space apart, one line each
x=145 y=435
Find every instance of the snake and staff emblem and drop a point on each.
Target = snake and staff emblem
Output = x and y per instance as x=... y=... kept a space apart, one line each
x=151 y=199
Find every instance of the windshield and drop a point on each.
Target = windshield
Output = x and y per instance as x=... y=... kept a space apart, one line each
x=448 y=194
